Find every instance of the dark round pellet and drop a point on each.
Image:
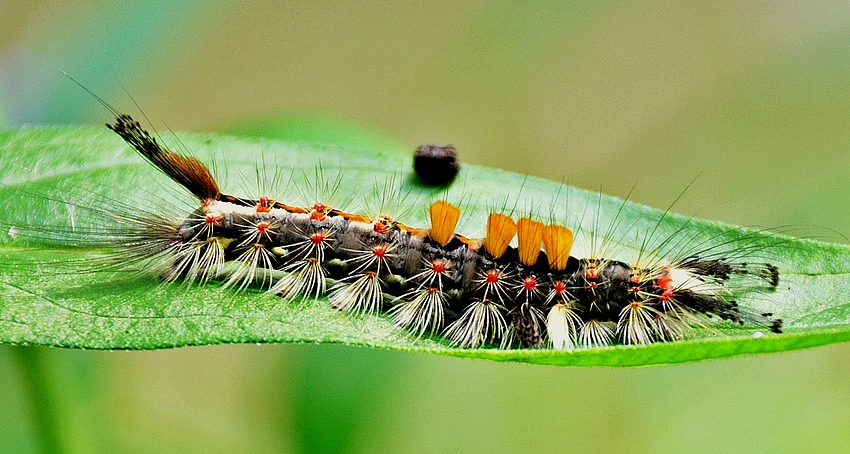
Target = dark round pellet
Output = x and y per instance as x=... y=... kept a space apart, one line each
x=436 y=165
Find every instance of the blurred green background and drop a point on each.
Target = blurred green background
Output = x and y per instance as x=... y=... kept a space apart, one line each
x=754 y=97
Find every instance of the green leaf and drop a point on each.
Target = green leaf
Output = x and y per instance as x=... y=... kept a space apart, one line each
x=59 y=183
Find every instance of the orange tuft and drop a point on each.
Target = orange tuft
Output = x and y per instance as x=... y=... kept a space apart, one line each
x=444 y=218
x=558 y=241
x=190 y=172
x=500 y=231
x=529 y=237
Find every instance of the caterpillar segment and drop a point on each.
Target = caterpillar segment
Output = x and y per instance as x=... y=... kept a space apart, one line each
x=474 y=292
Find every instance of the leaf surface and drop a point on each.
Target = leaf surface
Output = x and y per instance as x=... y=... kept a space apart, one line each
x=60 y=184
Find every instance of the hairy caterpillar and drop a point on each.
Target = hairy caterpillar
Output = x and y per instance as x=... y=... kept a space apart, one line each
x=475 y=292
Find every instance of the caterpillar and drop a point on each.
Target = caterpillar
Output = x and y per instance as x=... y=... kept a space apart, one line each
x=473 y=291
x=516 y=287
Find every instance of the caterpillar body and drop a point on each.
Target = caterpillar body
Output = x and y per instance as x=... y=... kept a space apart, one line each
x=473 y=291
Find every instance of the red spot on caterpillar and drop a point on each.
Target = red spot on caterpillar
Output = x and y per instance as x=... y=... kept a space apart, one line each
x=667 y=295
x=213 y=219
x=380 y=228
x=665 y=283
x=379 y=251
x=318 y=238
x=319 y=212
x=264 y=205
x=263 y=227
x=559 y=287
x=529 y=283
x=439 y=266
x=493 y=277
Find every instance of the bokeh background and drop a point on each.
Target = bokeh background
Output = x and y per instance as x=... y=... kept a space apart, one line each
x=750 y=98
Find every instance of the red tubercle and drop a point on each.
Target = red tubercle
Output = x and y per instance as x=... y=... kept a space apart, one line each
x=318 y=238
x=319 y=213
x=264 y=205
x=529 y=283
x=559 y=287
x=263 y=227
x=439 y=266
x=592 y=285
x=213 y=219
x=493 y=277
x=379 y=251
x=665 y=283
x=380 y=228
